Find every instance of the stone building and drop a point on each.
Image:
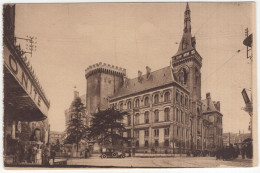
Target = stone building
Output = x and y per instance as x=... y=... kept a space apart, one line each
x=165 y=106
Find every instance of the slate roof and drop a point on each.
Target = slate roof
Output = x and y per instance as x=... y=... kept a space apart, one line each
x=157 y=78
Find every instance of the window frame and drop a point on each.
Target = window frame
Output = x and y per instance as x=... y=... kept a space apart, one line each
x=156 y=98
x=156 y=116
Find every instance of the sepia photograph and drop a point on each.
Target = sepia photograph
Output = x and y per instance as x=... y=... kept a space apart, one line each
x=129 y=85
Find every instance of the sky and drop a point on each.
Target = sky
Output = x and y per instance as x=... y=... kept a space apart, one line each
x=70 y=37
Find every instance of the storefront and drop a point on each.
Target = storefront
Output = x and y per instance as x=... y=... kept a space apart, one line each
x=25 y=103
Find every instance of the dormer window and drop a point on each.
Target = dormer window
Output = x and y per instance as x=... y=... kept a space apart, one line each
x=129 y=105
x=137 y=103
x=146 y=101
x=167 y=97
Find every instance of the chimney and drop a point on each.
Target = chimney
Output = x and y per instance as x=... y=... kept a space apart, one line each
x=208 y=101
x=148 y=72
x=218 y=106
x=139 y=76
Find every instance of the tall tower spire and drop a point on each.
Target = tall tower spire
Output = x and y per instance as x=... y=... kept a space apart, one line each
x=187 y=42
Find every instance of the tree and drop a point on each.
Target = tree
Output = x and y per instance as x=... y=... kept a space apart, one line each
x=57 y=146
x=106 y=127
x=76 y=130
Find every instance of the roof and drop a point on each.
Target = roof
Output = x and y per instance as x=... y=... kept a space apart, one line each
x=157 y=78
x=212 y=107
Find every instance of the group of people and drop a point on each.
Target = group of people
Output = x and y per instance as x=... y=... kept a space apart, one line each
x=232 y=152
x=39 y=154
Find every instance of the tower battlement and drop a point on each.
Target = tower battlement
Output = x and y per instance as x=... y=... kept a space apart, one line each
x=105 y=68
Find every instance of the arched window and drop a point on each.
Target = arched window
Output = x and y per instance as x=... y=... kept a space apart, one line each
x=146 y=101
x=129 y=105
x=121 y=106
x=137 y=103
x=146 y=117
x=137 y=118
x=181 y=99
x=166 y=114
x=181 y=115
x=156 y=116
x=156 y=98
x=167 y=97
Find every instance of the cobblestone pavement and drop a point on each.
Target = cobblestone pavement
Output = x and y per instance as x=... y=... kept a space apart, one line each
x=166 y=162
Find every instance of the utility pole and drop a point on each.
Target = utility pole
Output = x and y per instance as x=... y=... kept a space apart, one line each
x=30 y=44
x=249 y=102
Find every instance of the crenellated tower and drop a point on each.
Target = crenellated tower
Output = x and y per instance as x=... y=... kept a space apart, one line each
x=103 y=80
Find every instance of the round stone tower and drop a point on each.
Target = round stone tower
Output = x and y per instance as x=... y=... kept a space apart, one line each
x=103 y=81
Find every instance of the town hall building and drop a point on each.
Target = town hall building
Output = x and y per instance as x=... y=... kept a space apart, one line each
x=166 y=112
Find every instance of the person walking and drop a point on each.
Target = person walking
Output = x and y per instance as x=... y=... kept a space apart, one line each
x=53 y=154
x=243 y=151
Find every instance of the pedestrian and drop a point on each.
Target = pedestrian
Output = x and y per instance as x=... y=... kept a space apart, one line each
x=47 y=154
x=38 y=156
x=53 y=154
x=34 y=152
x=243 y=151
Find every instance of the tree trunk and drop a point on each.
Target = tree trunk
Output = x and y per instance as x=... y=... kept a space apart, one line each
x=77 y=147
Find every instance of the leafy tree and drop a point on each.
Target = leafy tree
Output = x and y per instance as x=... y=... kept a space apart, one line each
x=76 y=130
x=106 y=127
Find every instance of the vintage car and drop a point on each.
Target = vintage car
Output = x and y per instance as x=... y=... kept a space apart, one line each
x=110 y=153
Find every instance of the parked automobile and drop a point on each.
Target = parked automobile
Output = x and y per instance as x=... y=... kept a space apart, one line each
x=110 y=153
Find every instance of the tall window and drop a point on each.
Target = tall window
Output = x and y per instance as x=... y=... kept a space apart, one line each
x=137 y=143
x=186 y=118
x=146 y=133
x=121 y=106
x=146 y=117
x=166 y=143
x=156 y=98
x=136 y=134
x=137 y=118
x=166 y=114
x=129 y=105
x=146 y=143
x=156 y=143
x=166 y=132
x=181 y=115
x=137 y=103
x=156 y=132
x=129 y=134
x=177 y=131
x=167 y=97
x=146 y=101
x=177 y=114
x=129 y=120
x=156 y=116
x=186 y=101
x=177 y=96
x=181 y=99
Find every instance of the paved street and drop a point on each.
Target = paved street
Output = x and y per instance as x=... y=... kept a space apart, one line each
x=190 y=162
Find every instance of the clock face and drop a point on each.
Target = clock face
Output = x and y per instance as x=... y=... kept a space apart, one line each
x=211 y=119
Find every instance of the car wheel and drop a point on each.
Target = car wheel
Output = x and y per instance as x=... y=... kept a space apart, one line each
x=114 y=154
x=104 y=156
x=122 y=156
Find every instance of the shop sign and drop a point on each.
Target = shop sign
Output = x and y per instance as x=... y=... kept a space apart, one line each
x=27 y=83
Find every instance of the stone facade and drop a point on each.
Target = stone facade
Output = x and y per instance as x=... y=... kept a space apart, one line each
x=165 y=106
